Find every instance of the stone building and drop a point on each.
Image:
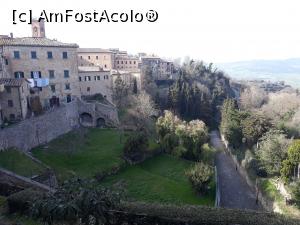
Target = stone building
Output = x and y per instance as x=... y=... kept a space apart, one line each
x=98 y=57
x=13 y=99
x=125 y=62
x=127 y=77
x=95 y=82
x=161 y=69
x=107 y=59
x=50 y=66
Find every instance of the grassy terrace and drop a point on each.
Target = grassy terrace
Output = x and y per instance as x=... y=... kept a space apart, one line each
x=19 y=163
x=72 y=154
x=160 y=179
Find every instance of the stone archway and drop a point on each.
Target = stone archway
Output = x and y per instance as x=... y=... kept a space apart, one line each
x=100 y=122
x=86 y=119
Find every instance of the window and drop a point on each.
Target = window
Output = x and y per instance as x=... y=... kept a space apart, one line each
x=88 y=89
x=98 y=77
x=105 y=66
x=95 y=78
x=12 y=116
x=87 y=78
x=6 y=61
x=96 y=57
x=19 y=74
x=66 y=73
x=134 y=62
x=69 y=99
x=49 y=55
x=33 y=55
x=89 y=57
x=81 y=57
x=52 y=87
x=80 y=79
x=10 y=103
x=67 y=86
x=65 y=55
x=129 y=62
x=117 y=62
x=35 y=74
x=16 y=54
x=8 y=89
x=125 y=62
x=51 y=74
x=121 y=62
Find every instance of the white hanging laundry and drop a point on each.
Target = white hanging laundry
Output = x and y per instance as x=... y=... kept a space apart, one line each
x=39 y=82
x=45 y=82
x=31 y=82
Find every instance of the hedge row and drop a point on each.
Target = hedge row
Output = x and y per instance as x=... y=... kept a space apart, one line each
x=202 y=215
x=145 y=213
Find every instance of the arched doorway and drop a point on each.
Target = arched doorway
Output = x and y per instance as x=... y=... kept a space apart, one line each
x=101 y=122
x=86 y=119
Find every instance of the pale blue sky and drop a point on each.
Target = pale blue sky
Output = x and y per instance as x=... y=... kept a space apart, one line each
x=212 y=30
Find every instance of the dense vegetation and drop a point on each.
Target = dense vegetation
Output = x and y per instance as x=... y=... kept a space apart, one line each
x=264 y=130
x=181 y=138
x=196 y=94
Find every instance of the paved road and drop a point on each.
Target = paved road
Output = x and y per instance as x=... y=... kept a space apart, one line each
x=234 y=190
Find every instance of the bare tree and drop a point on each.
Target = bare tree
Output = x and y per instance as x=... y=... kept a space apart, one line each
x=253 y=97
x=279 y=104
x=143 y=111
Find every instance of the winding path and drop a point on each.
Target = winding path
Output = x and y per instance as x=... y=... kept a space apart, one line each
x=234 y=190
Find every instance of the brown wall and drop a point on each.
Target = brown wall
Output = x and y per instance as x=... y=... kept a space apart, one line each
x=26 y=64
x=102 y=59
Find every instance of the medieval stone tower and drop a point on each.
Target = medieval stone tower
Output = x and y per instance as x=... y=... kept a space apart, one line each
x=38 y=28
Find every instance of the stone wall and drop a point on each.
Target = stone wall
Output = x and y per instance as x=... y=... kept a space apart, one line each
x=39 y=130
x=17 y=182
x=42 y=129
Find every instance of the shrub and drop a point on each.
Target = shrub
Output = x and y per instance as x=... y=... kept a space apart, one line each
x=76 y=200
x=135 y=146
x=292 y=161
x=272 y=151
x=200 y=175
x=296 y=193
x=179 y=151
x=208 y=154
x=177 y=215
x=169 y=142
x=22 y=201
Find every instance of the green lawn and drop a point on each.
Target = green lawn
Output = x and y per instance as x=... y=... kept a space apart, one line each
x=160 y=179
x=82 y=155
x=19 y=163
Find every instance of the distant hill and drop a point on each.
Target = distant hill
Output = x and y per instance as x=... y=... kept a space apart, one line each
x=274 y=70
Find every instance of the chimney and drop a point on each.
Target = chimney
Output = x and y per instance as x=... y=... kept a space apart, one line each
x=11 y=35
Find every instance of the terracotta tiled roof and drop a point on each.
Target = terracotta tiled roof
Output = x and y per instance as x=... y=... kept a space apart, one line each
x=32 y=41
x=12 y=82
